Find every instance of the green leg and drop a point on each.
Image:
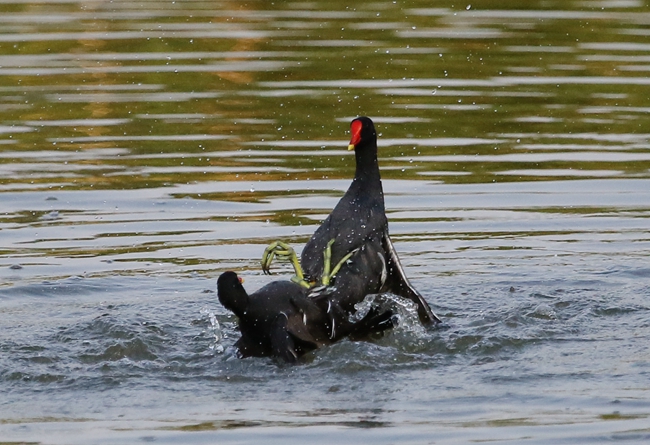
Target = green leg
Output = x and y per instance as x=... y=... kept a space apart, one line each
x=328 y=272
x=327 y=263
x=342 y=262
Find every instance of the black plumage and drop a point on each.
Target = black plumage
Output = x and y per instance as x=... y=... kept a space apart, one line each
x=280 y=320
x=359 y=222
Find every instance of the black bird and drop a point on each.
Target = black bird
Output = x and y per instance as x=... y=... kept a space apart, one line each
x=358 y=225
x=280 y=320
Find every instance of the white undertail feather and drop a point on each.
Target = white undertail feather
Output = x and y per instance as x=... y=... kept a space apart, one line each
x=316 y=291
x=384 y=270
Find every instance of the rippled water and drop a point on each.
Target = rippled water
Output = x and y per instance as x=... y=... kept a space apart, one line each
x=147 y=147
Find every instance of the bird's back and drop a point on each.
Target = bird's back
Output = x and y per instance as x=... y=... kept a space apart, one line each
x=357 y=217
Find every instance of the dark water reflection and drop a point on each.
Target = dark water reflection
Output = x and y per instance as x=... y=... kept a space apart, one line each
x=146 y=147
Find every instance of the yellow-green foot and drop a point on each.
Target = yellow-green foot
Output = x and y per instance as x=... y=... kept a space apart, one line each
x=284 y=252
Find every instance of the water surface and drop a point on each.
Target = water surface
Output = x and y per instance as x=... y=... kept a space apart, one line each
x=146 y=148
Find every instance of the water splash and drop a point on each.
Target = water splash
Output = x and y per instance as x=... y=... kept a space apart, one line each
x=363 y=308
x=213 y=330
x=405 y=312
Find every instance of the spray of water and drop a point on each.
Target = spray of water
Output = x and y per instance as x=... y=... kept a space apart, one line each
x=405 y=312
x=213 y=330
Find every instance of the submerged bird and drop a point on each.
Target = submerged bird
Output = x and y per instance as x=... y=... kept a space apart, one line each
x=280 y=320
x=355 y=239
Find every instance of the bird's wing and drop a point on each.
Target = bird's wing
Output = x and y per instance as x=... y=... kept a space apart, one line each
x=282 y=342
x=308 y=323
x=400 y=285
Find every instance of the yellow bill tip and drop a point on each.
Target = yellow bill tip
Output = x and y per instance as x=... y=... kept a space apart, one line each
x=350 y=147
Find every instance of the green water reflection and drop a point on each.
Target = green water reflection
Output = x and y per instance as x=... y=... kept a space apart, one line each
x=118 y=95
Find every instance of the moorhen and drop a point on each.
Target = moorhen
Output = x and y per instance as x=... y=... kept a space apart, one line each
x=355 y=238
x=280 y=320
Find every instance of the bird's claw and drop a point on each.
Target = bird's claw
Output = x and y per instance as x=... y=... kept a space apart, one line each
x=284 y=252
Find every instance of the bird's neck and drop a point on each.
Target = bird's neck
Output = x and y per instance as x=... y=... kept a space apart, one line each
x=367 y=170
x=237 y=301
